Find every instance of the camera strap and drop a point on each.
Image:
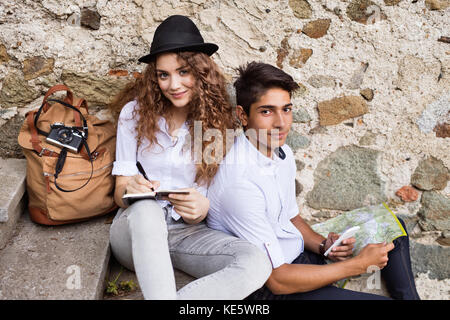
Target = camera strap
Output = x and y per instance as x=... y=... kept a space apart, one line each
x=60 y=164
x=84 y=128
x=63 y=153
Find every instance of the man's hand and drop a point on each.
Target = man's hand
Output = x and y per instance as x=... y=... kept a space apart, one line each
x=192 y=207
x=374 y=255
x=341 y=252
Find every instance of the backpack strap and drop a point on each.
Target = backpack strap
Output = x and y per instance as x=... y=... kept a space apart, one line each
x=76 y=115
x=83 y=125
x=54 y=89
x=35 y=142
x=68 y=99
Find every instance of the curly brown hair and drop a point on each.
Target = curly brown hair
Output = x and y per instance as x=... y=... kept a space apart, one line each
x=209 y=104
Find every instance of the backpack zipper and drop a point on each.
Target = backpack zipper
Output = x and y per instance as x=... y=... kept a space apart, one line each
x=47 y=174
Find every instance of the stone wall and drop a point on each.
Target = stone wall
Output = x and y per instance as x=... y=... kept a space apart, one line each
x=372 y=118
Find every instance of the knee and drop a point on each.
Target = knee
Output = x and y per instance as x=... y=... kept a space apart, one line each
x=148 y=216
x=255 y=262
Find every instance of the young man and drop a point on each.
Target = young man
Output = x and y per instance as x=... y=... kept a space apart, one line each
x=253 y=197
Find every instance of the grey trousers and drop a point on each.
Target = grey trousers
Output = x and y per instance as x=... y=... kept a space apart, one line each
x=144 y=238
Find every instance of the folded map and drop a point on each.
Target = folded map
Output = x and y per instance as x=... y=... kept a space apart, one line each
x=377 y=224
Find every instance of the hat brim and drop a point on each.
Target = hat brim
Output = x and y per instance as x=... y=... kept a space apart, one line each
x=208 y=48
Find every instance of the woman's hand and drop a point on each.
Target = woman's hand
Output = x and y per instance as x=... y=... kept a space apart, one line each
x=192 y=207
x=341 y=252
x=138 y=184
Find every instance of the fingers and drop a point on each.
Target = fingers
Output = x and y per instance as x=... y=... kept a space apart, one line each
x=185 y=206
x=141 y=180
x=139 y=185
x=333 y=237
x=390 y=246
x=341 y=252
x=384 y=260
x=188 y=214
x=137 y=188
x=183 y=197
x=155 y=184
x=349 y=241
x=344 y=251
x=379 y=253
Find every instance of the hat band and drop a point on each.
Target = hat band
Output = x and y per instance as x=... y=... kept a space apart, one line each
x=174 y=38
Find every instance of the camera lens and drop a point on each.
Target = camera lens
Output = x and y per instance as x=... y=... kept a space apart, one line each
x=65 y=135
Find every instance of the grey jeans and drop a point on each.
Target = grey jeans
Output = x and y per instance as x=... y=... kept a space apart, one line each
x=144 y=238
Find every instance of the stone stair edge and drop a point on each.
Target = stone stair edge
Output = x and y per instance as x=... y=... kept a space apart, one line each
x=13 y=173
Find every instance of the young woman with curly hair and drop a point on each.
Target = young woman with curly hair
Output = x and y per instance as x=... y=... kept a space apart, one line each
x=180 y=89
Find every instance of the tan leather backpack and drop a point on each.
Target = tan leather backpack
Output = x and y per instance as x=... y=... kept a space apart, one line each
x=70 y=155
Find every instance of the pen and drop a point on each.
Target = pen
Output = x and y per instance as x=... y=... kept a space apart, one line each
x=142 y=171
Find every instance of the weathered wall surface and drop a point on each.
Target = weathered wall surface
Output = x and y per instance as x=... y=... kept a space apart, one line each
x=372 y=121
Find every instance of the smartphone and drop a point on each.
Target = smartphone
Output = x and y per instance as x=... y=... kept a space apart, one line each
x=347 y=234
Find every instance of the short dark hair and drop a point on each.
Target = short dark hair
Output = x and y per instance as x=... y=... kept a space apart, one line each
x=256 y=78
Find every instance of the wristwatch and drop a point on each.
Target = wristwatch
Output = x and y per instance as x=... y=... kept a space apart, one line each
x=322 y=247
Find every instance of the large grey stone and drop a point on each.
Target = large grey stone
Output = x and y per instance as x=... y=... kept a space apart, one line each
x=435 y=212
x=347 y=179
x=432 y=258
x=301 y=116
x=46 y=262
x=297 y=141
x=430 y=174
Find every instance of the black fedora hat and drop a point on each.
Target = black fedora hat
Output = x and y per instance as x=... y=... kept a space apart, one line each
x=178 y=33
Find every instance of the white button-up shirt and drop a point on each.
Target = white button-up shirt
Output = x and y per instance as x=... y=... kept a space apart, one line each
x=253 y=197
x=168 y=162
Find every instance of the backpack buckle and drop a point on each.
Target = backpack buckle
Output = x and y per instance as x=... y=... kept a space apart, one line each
x=43 y=150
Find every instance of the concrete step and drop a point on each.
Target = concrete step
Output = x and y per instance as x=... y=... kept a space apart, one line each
x=121 y=274
x=12 y=199
x=60 y=262
x=368 y=283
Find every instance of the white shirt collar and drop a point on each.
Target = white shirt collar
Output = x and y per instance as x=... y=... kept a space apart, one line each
x=254 y=154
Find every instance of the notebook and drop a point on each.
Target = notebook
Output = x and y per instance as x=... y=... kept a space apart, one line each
x=130 y=198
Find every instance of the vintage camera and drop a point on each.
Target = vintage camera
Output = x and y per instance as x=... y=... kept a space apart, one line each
x=67 y=137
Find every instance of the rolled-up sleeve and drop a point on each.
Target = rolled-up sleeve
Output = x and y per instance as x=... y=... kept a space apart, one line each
x=243 y=213
x=126 y=143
